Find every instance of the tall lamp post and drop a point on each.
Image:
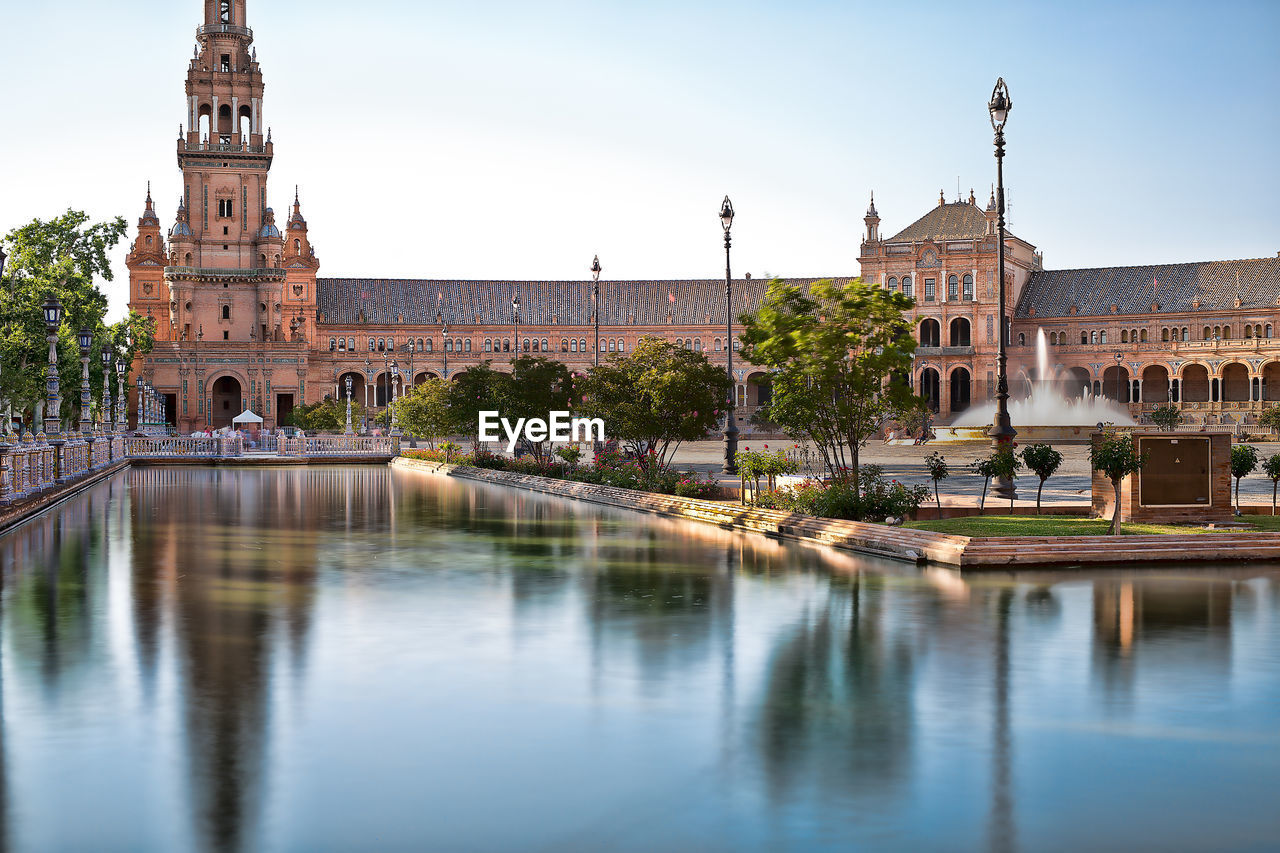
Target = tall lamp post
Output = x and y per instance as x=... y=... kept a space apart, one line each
x=730 y=422
x=349 y=431
x=86 y=395
x=395 y=379
x=444 y=342
x=108 y=410
x=122 y=401
x=515 y=316
x=52 y=398
x=1002 y=431
x=141 y=408
x=595 y=302
x=1119 y=393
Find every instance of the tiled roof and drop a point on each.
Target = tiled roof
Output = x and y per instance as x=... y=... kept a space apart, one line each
x=1174 y=287
x=345 y=301
x=959 y=221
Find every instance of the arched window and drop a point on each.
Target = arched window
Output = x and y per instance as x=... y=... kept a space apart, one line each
x=1208 y=334
x=545 y=348
x=488 y=345
x=1186 y=333
x=206 y=122
x=224 y=14
x=582 y=344
x=342 y=345
x=891 y=284
x=382 y=345
x=1268 y=332
x=370 y=344
x=908 y=289
x=1084 y=338
x=420 y=347
x=573 y=346
x=466 y=345
x=953 y=287
x=448 y=345
x=697 y=345
x=1124 y=336
x=1226 y=333
x=333 y=344
x=622 y=345
x=1022 y=339
x=564 y=345
x=224 y=123
x=226 y=312
x=1164 y=335
x=968 y=288
x=526 y=345
x=737 y=345
x=429 y=344
x=506 y=345
x=716 y=344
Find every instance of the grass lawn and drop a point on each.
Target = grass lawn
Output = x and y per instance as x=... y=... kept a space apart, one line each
x=1063 y=525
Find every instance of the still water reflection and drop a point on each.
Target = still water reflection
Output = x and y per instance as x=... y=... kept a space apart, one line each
x=370 y=659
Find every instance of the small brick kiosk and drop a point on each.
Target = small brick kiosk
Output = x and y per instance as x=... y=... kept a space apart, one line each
x=1187 y=479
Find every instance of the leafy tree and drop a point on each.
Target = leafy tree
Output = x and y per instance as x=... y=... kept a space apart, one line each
x=841 y=354
x=1116 y=456
x=328 y=415
x=1044 y=461
x=60 y=257
x=1271 y=418
x=537 y=387
x=425 y=412
x=1000 y=464
x=1271 y=467
x=654 y=398
x=1244 y=461
x=938 y=471
x=477 y=389
x=1166 y=417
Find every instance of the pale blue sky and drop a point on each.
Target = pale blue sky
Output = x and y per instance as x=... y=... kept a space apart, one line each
x=517 y=139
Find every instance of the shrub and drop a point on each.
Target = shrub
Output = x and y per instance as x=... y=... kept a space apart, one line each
x=1166 y=417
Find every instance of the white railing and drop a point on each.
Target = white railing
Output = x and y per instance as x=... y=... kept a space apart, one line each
x=340 y=445
x=168 y=447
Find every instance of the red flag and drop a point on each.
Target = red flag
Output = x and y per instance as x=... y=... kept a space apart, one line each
x=671 y=297
x=440 y=296
x=1155 y=284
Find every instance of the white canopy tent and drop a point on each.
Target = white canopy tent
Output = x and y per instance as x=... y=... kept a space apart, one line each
x=246 y=417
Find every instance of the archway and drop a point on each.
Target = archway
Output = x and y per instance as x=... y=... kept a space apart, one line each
x=759 y=389
x=1235 y=383
x=930 y=385
x=382 y=389
x=930 y=333
x=1271 y=381
x=1195 y=384
x=1155 y=384
x=1076 y=382
x=226 y=402
x=960 y=336
x=961 y=389
x=1115 y=383
x=357 y=387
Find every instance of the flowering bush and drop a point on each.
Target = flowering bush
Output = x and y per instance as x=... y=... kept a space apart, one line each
x=690 y=486
x=879 y=500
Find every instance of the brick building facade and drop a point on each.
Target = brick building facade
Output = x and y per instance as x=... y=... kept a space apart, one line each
x=245 y=321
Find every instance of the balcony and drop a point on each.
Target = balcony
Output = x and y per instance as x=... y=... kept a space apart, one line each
x=938 y=352
x=223 y=147
x=224 y=30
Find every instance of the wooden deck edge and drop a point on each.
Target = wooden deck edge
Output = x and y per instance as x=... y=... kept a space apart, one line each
x=913 y=546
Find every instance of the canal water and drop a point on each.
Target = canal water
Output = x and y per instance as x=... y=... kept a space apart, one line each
x=370 y=659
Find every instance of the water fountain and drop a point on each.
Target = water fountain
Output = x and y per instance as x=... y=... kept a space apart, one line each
x=1044 y=414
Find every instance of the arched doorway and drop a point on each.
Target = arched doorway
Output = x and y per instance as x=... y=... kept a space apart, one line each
x=1195 y=384
x=1235 y=383
x=1076 y=382
x=357 y=387
x=759 y=389
x=1115 y=383
x=1155 y=384
x=930 y=333
x=930 y=385
x=227 y=401
x=961 y=389
x=960 y=336
x=1271 y=381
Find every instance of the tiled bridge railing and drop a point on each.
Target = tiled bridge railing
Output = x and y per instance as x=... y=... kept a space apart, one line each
x=34 y=465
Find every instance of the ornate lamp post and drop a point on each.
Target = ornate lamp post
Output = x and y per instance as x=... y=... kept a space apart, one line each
x=141 y=413
x=52 y=398
x=730 y=422
x=108 y=410
x=595 y=302
x=1119 y=392
x=444 y=342
x=515 y=314
x=1002 y=431
x=395 y=387
x=86 y=395
x=349 y=430
x=122 y=401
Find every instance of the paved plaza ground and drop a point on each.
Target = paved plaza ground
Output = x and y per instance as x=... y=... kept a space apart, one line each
x=906 y=463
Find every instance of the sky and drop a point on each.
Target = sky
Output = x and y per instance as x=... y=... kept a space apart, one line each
x=518 y=139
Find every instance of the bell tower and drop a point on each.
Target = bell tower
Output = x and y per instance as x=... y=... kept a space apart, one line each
x=225 y=154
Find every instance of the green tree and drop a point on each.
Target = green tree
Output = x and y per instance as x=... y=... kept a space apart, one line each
x=1000 y=464
x=425 y=412
x=1271 y=467
x=654 y=398
x=538 y=387
x=938 y=471
x=1116 y=456
x=61 y=257
x=1244 y=461
x=1043 y=461
x=477 y=389
x=1271 y=419
x=328 y=415
x=841 y=354
x=1166 y=417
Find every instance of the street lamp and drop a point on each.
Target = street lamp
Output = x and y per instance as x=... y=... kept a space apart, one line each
x=122 y=401
x=1002 y=431
x=395 y=378
x=444 y=342
x=107 y=410
x=52 y=398
x=349 y=431
x=595 y=302
x=730 y=425
x=1119 y=393
x=140 y=412
x=86 y=396
x=515 y=314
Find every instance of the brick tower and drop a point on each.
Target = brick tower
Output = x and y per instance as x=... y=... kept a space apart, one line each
x=231 y=288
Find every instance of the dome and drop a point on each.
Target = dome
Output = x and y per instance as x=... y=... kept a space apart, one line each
x=269 y=230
